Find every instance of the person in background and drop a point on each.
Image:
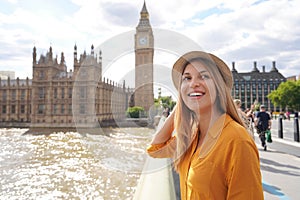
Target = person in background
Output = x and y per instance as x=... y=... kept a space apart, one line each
x=163 y=118
x=271 y=114
x=287 y=113
x=250 y=113
x=167 y=110
x=213 y=153
x=251 y=116
x=238 y=104
x=263 y=123
x=244 y=117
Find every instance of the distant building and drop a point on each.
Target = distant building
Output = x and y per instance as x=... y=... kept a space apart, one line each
x=7 y=74
x=81 y=97
x=254 y=86
x=291 y=78
x=57 y=98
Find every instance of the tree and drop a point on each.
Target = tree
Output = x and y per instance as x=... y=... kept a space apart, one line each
x=134 y=112
x=165 y=101
x=287 y=95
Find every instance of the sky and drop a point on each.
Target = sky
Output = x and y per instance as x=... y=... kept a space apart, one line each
x=235 y=30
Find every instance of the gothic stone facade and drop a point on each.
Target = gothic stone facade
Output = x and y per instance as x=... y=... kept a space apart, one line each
x=144 y=52
x=58 y=98
x=81 y=97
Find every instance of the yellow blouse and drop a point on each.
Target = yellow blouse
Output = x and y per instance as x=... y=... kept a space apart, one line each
x=226 y=166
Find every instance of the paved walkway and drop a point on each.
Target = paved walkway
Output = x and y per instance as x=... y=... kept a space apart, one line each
x=280 y=167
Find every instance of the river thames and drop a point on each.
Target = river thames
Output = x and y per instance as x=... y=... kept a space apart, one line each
x=72 y=165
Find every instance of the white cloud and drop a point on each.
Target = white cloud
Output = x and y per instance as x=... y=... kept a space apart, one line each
x=240 y=31
x=12 y=1
x=251 y=33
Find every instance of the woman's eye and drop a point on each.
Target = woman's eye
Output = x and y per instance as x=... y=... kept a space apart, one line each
x=205 y=77
x=186 y=78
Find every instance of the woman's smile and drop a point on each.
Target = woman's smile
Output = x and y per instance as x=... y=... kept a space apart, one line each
x=196 y=94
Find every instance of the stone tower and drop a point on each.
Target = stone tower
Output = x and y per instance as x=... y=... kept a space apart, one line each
x=144 y=51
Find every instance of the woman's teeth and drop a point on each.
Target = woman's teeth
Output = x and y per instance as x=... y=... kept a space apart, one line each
x=195 y=94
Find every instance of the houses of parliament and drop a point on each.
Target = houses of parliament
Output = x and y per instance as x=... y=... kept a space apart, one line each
x=81 y=97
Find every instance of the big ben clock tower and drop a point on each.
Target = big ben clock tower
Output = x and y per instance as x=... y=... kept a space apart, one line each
x=144 y=51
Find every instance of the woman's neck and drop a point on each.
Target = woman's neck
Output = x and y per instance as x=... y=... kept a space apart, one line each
x=207 y=119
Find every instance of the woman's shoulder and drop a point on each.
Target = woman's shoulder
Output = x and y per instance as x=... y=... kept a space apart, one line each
x=234 y=130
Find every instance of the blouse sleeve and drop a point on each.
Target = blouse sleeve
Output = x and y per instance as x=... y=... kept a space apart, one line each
x=244 y=179
x=163 y=150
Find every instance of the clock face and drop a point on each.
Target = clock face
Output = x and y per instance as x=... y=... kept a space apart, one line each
x=143 y=40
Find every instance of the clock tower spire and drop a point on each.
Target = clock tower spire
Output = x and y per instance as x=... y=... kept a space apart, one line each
x=144 y=51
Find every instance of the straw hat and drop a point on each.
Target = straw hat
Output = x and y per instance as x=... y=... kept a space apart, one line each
x=183 y=60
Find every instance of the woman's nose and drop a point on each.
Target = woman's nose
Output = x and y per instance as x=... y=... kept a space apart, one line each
x=195 y=82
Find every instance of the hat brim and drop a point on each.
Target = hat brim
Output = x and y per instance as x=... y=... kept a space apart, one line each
x=181 y=63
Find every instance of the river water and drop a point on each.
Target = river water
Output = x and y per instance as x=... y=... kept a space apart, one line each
x=71 y=165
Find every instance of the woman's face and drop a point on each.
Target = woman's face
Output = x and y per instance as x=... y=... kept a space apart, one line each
x=198 y=89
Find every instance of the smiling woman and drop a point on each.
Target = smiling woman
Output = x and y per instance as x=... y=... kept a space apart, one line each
x=212 y=149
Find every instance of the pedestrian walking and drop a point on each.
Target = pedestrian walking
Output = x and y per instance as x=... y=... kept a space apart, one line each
x=263 y=123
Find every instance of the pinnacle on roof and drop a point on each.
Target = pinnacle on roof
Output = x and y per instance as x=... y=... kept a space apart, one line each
x=233 y=67
x=274 y=69
x=144 y=12
x=255 y=67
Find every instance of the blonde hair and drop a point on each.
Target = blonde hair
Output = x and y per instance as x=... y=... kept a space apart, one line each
x=237 y=102
x=186 y=123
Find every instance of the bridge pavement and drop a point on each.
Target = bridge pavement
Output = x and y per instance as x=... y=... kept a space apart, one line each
x=280 y=164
